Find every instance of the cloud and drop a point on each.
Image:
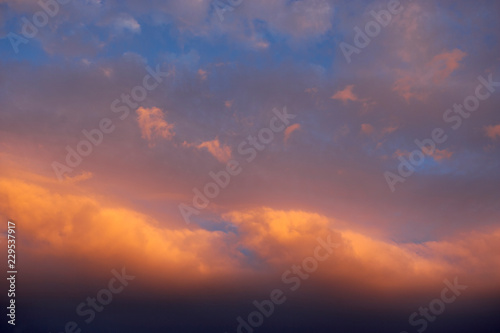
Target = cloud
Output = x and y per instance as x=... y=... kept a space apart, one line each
x=417 y=83
x=367 y=129
x=438 y=155
x=126 y=23
x=85 y=175
x=221 y=152
x=203 y=74
x=153 y=125
x=62 y=222
x=444 y=64
x=389 y=129
x=443 y=154
x=289 y=130
x=346 y=94
x=492 y=132
x=279 y=237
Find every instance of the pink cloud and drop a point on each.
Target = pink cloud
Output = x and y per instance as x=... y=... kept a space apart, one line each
x=203 y=74
x=221 y=152
x=346 y=94
x=389 y=129
x=153 y=125
x=492 y=131
x=416 y=83
x=444 y=64
x=440 y=155
x=367 y=129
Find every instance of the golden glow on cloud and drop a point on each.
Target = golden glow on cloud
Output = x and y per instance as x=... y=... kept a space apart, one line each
x=221 y=152
x=59 y=220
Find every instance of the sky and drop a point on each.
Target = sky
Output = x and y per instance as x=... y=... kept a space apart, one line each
x=251 y=165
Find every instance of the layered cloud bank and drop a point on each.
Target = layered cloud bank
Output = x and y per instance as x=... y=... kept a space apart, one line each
x=342 y=152
x=82 y=233
x=85 y=227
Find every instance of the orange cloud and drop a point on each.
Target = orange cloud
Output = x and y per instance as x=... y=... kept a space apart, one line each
x=345 y=95
x=492 y=131
x=221 y=152
x=67 y=224
x=282 y=237
x=440 y=155
x=153 y=125
x=58 y=221
x=290 y=129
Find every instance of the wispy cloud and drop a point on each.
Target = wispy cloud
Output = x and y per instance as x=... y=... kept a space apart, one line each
x=346 y=94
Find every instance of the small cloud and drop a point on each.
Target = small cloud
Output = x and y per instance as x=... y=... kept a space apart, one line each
x=400 y=152
x=415 y=83
x=262 y=45
x=228 y=104
x=107 y=71
x=443 y=64
x=125 y=23
x=85 y=175
x=440 y=155
x=153 y=125
x=345 y=95
x=221 y=152
x=290 y=129
x=203 y=74
x=492 y=132
x=367 y=129
x=389 y=130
